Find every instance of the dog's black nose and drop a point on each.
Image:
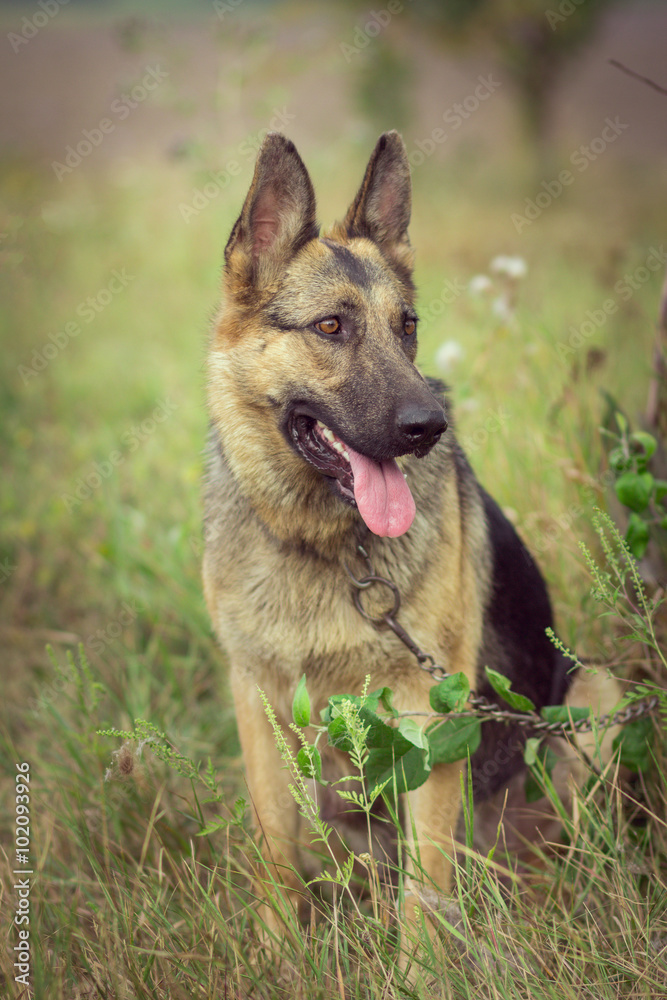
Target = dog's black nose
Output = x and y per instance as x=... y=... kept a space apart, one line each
x=420 y=424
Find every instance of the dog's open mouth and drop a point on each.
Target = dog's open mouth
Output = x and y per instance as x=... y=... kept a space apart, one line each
x=377 y=489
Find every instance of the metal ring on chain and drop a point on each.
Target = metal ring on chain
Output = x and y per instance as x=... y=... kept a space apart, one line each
x=366 y=581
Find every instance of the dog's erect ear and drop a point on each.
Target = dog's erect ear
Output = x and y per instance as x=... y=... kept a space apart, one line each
x=381 y=209
x=278 y=216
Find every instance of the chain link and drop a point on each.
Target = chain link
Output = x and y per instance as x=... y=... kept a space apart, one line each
x=481 y=706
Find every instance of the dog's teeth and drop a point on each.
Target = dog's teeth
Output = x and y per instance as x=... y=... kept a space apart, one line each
x=327 y=434
x=335 y=443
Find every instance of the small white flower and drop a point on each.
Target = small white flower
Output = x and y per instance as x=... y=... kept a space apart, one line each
x=502 y=309
x=513 y=267
x=479 y=284
x=448 y=356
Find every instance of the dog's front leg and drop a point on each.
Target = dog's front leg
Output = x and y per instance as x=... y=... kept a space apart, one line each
x=275 y=811
x=432 y=814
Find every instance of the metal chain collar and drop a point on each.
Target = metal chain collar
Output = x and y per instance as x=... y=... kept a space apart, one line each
x=480 y=705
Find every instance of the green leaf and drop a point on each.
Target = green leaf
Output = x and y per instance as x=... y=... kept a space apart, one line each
x=410 y=765
x=413 y=733
x=563 y=713
x=502 y=686
x=310 y=762
x=384 y=696
x=660 y=490
x=452 y=739
x=544 y=764
x=634 y=489
x=532 y=789
x=213 y=825
x=637 y=535
x=301 y=704
x=621 y=422
x=618 y=460
x=531 y=750
x=451 y=694
x=332 y=709
x=646 y=441
x=635 y=740
x=379 y=733
x=412 y=770
x=338 y=734
x=371 y=701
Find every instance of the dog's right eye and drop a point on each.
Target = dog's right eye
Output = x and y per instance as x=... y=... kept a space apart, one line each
x=329 y=326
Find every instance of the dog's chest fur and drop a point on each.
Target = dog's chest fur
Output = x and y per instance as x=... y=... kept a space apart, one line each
x=283 y=610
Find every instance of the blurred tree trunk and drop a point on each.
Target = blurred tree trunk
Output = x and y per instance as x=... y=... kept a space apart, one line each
x=534 y=41
x=655 y=422
x=656 y=406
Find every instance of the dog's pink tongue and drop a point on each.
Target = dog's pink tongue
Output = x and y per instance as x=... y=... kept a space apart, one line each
x=382 y=494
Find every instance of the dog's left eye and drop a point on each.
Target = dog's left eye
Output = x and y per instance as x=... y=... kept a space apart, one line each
x=409 y=327
x=330 y=325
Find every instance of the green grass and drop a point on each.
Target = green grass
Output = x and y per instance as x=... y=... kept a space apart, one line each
x=128 y=900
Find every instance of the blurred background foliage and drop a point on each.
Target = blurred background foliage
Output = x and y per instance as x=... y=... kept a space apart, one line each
x=534 y=41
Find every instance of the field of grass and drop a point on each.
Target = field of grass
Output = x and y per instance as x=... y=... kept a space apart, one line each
x=102 y=431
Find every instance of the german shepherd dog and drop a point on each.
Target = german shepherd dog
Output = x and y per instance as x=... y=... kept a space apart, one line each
x=325 y=436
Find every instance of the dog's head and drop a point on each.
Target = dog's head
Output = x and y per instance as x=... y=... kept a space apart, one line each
x=317 y=341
